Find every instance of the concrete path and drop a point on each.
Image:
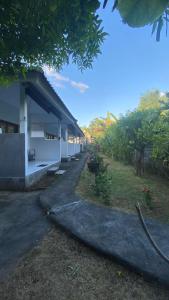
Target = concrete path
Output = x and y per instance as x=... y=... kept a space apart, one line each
x=22 y=225
x=112 y=232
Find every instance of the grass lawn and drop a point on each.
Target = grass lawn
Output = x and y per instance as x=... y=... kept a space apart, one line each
x=127 y=189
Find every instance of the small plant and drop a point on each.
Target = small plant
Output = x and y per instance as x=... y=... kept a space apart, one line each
x=103 y=186
x=96 y=164
x=103 y=180
x=148 y=197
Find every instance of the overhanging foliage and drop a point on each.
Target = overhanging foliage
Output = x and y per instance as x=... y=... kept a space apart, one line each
x=34 y=33
x=138 y=13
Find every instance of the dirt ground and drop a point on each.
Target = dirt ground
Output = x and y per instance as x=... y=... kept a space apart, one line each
x=61 y=268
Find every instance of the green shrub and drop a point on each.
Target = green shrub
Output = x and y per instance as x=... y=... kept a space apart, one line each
x=103 y=186
x=147 y=197
x=103 y=180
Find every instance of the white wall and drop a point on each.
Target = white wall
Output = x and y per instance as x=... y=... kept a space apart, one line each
x=64 y=148
x=46 y=149
x=71 y=149
x=77 y=148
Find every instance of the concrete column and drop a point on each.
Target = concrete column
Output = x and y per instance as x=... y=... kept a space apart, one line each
x=74 y=145
x=77 y=144
x=82 y=143
x=66 y=134
x=66 y=140
x=60 y=139
x=23 y=121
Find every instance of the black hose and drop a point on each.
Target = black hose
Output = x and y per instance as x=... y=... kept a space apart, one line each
x=155 y=246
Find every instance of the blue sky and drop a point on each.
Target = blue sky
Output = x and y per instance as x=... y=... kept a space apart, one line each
x=131 y=63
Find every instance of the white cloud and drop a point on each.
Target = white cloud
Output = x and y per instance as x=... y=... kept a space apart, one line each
x=82 y=87
x=58 y=84
x=162 y=94
x=48 y=71
x=57 y=80
x=59 y=77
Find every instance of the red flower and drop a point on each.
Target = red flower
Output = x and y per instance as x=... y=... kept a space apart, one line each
x=146 y=190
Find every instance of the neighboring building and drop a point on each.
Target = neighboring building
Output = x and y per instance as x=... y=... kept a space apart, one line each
x=36 y=131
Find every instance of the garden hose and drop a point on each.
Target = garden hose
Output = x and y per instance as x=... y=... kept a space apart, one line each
x=155 y=246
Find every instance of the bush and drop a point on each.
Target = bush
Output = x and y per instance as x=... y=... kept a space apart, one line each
x=103 y=180
x=148 y=198
x=103 y=186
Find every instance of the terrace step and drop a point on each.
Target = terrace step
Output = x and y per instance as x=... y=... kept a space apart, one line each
x=52 y=170
x=66 y=159
x=73 y=157
x=60 y=172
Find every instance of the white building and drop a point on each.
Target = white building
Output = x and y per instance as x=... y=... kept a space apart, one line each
x=36 y=131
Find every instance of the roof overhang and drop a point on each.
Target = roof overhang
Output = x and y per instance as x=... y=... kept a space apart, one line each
x=40 y=90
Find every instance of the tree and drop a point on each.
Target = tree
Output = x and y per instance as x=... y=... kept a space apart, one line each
x=98 y=126
x=55 y=32
x=160 y=138
x=128 y=138
x=139 y=131
x=34 y=33
x=87 y=134
x=152 y=100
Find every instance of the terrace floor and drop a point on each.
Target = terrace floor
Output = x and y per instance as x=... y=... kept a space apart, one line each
x=36 y=166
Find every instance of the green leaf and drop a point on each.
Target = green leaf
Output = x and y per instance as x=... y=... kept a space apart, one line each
x=105 y=3
x=138 y=13
x=115 y=5
x=154 y=27
x=160 y=25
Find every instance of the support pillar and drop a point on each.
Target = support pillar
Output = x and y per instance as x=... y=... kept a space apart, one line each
x=66 y=140
x=74 y=145
x=60 y=139
x=23 y=121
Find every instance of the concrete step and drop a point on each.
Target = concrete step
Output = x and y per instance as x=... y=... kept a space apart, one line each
x=52 y=170
x=66 y=159
x=73 y=157
x=60 y=172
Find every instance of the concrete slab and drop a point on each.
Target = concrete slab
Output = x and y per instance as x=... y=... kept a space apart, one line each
x=118 y=235
x=36 y=166
x=60 y=172
x=52 y=170
x=73 y=157
x=66 y=159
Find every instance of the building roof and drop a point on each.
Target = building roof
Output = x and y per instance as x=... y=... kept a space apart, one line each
x=39 y=88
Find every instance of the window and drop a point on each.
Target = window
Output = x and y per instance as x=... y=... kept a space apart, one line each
x=7 y=127
x=49 y=136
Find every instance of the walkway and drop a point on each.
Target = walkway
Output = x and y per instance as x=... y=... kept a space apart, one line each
x=111 y=232
x=22 y=222
x=22 y=226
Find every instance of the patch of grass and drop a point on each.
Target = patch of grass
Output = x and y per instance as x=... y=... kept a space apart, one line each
x=127 y=189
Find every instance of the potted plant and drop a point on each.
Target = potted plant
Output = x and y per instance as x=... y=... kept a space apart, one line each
x=93 y=166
